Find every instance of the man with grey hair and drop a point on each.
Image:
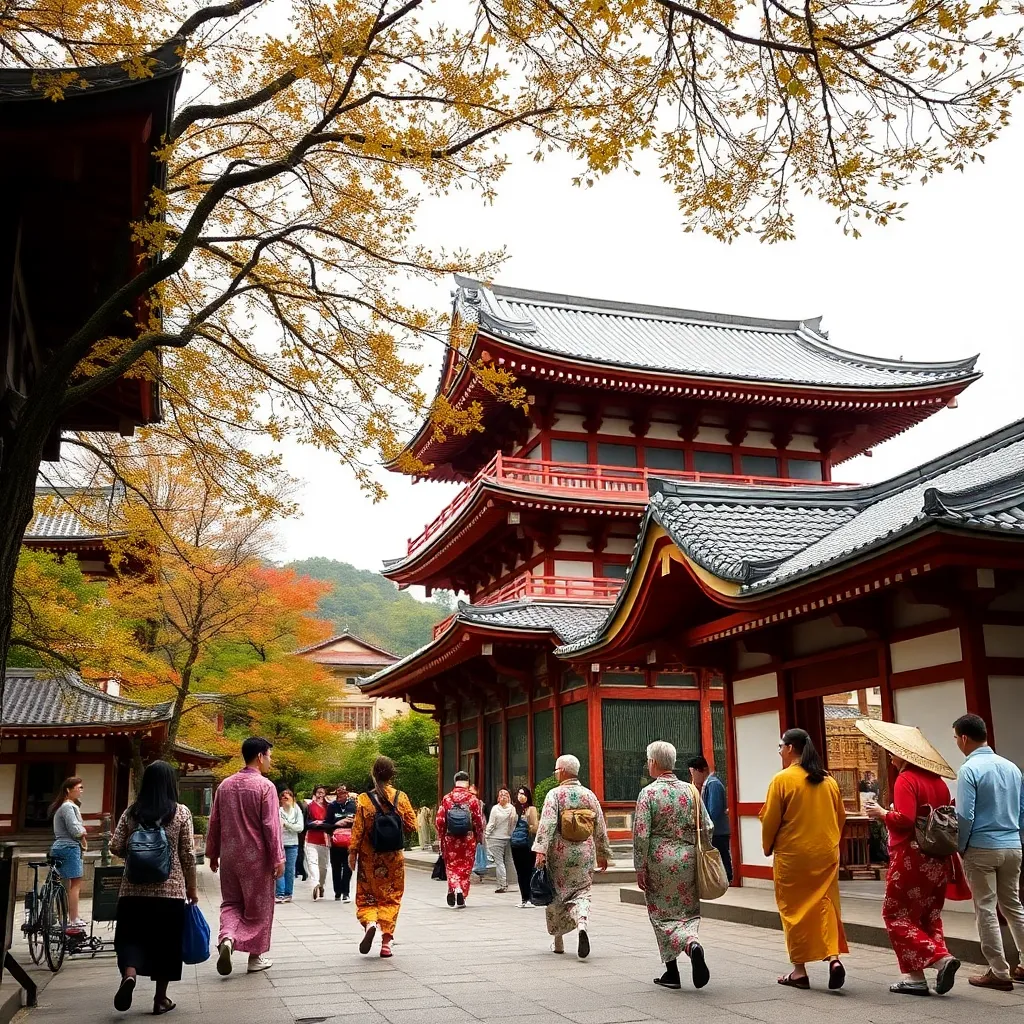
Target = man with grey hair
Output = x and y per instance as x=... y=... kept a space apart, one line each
x=572 y=839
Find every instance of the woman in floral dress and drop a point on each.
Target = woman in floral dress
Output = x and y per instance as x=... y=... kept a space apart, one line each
x=570 y=865
x=665 y=858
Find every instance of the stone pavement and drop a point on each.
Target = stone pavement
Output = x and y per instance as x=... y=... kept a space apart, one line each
x=491 y=963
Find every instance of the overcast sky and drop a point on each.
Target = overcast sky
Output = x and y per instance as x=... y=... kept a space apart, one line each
x=945 y=283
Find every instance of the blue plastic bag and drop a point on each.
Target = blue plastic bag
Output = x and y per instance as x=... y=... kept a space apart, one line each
x=195 y=936
x=480 y=860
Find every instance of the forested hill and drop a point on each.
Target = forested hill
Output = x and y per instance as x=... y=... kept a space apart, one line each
x=367 y=604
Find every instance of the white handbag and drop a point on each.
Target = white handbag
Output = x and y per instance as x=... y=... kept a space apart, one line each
x=712 y=881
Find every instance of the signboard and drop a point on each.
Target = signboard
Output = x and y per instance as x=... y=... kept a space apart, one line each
x=105 y=887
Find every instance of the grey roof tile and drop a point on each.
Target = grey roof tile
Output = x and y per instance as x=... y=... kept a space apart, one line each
x=31 y=698
x=57 y=514
x=687 y=341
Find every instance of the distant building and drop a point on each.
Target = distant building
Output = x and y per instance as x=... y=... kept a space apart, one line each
x=350 y=658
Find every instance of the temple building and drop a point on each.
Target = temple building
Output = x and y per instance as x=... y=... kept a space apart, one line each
x=623 y=402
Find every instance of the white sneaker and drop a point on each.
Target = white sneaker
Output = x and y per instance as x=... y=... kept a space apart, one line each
x=522 y=904
x=346 y=899
x=259 y=963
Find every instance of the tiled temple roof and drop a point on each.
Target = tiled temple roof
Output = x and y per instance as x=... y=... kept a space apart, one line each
x=687 y=341
x=763 y=539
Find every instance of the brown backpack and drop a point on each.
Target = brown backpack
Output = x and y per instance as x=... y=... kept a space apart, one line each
x=576 y=824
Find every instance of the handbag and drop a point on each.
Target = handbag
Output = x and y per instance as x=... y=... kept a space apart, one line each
x=542 y=892
x=440 y=872
x=195 y=936
x=577 y=824
x=937 y=832
x=712 y=881
x=342 y=837
x=520 y=838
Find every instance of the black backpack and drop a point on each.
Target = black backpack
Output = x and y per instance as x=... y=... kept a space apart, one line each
x=458 y=821
x=147 y=859
x=387 y=834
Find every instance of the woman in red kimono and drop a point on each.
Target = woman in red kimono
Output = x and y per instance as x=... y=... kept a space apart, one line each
x=917 y=885
x=458 y=850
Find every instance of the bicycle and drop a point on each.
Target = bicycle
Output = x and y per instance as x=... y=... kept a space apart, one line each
x=46 y=916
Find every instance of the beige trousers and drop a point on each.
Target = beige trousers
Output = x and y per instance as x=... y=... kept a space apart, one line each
x=994 y=878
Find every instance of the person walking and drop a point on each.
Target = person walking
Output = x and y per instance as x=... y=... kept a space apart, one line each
x=990 y=815
x=244 y=843
x=498 y=833
x=380 y=874
x=150 y=917
x=300 y=860
x=291 y=826
x=801 y=824
x=572 y=838
x=460 y=826
x=69 y=843
x=665 y=858
x=917 y=884
x=716 y=800
x=341 y=813
x=521 y=842
x=318 y=855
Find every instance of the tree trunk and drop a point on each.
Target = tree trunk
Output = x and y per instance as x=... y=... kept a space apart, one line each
x=21 y=453
x=137 y=767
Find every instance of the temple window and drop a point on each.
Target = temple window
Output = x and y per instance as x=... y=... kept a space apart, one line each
x=712 y=462
x=804 y=469
x=613 y=571
x=664 y=458
x=759 y=465
x=616 y=455
x=576 y=738
x=569 y=451
x=543 y=744
x=518 y=754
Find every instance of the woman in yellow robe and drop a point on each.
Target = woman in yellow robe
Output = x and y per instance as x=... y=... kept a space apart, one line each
x=380 y=877
x=801 y=825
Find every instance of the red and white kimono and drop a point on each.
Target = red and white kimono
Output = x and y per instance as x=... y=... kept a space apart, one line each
x=917 y=885
x=459 y=851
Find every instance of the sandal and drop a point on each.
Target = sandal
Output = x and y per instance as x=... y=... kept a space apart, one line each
x=836 y=975
x=123 y=996
x=385 y=950
x=792 y=981
x=367 y=939
x=162 y=1006
x=910 y=988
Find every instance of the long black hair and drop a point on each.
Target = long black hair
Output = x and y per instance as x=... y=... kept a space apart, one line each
x=157 y=799
x=810 y=759
x=521 y=809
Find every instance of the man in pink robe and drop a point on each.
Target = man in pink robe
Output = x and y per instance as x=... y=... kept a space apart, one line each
x=244 y=841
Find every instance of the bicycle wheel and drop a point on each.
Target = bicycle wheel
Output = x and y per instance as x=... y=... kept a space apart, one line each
x=55 y=923
x=33 y=928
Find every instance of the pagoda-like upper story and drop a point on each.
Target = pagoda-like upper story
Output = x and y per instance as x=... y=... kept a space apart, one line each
x=617 y=394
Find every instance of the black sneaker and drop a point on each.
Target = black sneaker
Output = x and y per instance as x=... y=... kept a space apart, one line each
x=584 y=948
x=337 y=896
x=460 y=900
x=451 y=899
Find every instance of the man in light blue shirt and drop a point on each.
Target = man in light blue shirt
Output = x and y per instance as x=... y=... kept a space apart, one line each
x=990 y=809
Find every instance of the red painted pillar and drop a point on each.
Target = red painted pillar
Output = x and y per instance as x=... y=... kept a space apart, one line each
x=733 y=786
x=707 y=734
x=976 y=692
x=595 y=734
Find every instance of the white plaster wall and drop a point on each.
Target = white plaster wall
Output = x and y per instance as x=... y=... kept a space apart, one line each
x=755 y=688
x=616 y=427
x=757 y=755
x=910 y=613
x=619 y=545
x=803 y=443
x=91 y=746
x=712 y=435
x=92 y=776
x=569 y=421
x=389 y=707
x=933 y=709
x=751 y=851
x=8 y=773
x=758 y=439
x=1007 y=696
x=572 y=542
x=664 y=431
x=574 y=568
x=751 y=659
x=924 y=651
x=46 y=746
x=823 y=634
x=1004 y=641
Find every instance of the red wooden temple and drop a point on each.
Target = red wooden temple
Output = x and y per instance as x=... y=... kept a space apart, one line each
x=624 y=400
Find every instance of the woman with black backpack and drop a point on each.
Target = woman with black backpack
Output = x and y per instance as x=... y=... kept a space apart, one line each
x=383 y=816
x=154 y=836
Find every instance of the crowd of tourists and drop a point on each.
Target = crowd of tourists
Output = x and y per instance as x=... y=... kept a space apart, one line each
x=681 y=854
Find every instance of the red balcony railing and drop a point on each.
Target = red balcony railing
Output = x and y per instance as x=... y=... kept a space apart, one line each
x=547 y=588
x=625 y=484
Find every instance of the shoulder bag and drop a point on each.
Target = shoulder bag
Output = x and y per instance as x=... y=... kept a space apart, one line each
x=712 y=881
x=937 y=831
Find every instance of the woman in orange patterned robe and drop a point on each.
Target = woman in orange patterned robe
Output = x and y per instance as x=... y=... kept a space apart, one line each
x=380 y=877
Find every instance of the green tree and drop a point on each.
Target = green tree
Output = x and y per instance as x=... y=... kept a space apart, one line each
x=404 y=739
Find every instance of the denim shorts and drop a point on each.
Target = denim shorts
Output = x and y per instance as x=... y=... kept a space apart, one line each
x=68 y=856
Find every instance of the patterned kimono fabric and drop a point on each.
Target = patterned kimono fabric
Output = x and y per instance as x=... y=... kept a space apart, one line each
x=459 y=851
x=664 y=847
x=917 y=886
x=570 y=865
x=245 y=834
x=380 y=877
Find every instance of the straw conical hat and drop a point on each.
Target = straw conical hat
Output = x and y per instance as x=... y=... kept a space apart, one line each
x=908 y=742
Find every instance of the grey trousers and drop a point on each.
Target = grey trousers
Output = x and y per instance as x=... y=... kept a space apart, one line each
x=501 y=853
x=994 y=878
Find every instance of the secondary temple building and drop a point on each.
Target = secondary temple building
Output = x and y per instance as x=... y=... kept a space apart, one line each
x=658 y=551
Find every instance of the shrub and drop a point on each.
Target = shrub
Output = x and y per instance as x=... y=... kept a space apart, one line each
x=200 y=825
x=541 y=790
